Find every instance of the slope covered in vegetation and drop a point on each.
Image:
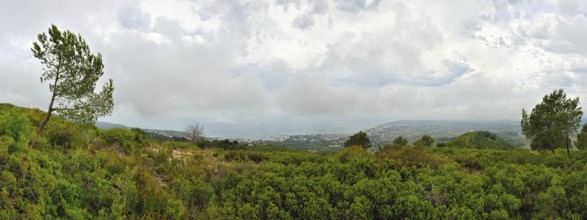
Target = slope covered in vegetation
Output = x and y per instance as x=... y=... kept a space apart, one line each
x=479 y=139
x=76 y=172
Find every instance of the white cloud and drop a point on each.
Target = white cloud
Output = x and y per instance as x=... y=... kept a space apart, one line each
x=257 y=68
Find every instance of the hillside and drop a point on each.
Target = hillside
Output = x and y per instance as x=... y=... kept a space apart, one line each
x=441 y=130
x=414 y=129
x=108 y=125
x=154 y=133
x=479 y=140
x=74 y=172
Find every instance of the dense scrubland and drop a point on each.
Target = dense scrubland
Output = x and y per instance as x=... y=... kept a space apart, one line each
x=74 y=172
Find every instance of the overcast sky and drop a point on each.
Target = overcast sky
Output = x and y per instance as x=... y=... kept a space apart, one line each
x=266 y=67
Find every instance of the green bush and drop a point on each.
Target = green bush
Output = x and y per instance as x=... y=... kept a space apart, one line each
x=397 y=157
x=121 y=138
x=39 y=182
x=15 y=125
x=64 y=135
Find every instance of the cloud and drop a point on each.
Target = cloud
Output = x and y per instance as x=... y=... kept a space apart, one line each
x=131 y=17
x=259 y=68
x=355 y=6
x=303 y=21
x=313 y=95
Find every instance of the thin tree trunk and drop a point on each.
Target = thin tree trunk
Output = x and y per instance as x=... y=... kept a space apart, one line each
x=48 y=115
x=50 y=108
x=568 y=144
x=552 y=146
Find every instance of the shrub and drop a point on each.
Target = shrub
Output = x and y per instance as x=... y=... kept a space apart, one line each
x=15 y=125
x=66 y=135
x=409 y=156
x=120 y=138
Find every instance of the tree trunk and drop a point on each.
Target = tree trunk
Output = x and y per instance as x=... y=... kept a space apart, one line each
x=47 y=117
x=568 y=144
x=50 y=108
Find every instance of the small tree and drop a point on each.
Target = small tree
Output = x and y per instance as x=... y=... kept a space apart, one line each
x=358 y=139
x=73 y=72
x=425 y=141
x=194 y=133
x=581 y=142
x=553 y=122
x=400 y=141
x=139 y=135
x=397 y=142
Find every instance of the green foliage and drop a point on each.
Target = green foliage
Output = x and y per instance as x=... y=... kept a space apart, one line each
x=243 y=156
x=479 y=139
x=407 y=157
x=72 y=70
x=39 y=182
x=140 y=136
x=553 y=122
x=267 y=148
x=358 y=139
x=14 y=125
x=124 y=139
x=178 y=145
x=173 y=181
x=64 y=134
x=425 y=141
x=224 y=144
x=397 y=142
x=581 y=142
x=400 y=141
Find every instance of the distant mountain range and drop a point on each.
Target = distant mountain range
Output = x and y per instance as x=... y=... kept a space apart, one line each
x=441 y=130
x=414 y=129
x=108 y=125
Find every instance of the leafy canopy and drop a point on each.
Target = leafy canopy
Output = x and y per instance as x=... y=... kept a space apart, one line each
x=396 y=143
x=582 y=138
x=98 y=178
x=358 y=139
x=72 y=70
x=552 y=122
x=400 y=141
x=425 y=141
x=479 y=139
